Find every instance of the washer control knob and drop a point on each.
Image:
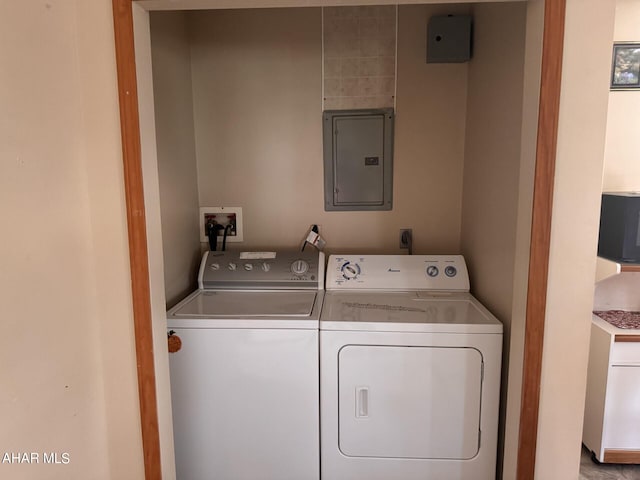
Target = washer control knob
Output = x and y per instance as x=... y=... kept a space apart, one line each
x=215 y=266
x=450 y=271
x=265 y=267
x=232 y=266
x=299 y=267
x=350 y=270
x=432 y=271
x=248 y=267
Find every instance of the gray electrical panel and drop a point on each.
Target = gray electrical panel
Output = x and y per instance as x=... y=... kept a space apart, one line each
x=358 y=159
x=449 y=39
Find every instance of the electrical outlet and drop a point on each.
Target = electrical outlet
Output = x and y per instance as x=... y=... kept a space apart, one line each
x=405 y=237
x=221 y=216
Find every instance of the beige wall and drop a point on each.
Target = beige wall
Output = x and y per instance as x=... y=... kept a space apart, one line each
x=67 y=355
x=241 y=51
x=492 y=153
x=574 y=232
x=621 y=159
x=492 y=186
x=153 y=219
x=202 y=4
x=528 y=141
x=68 y=369
x=257 y=108
x=177 y=170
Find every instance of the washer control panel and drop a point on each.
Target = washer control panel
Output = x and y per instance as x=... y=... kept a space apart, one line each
x=397 y=272
x=263 y=270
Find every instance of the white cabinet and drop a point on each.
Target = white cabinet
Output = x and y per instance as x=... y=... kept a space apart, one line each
x=612 y=408
x=622 y=411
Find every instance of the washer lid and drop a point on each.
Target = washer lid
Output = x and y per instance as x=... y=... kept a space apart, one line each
x=437 y=312
x=246 y=309
x=208 y=303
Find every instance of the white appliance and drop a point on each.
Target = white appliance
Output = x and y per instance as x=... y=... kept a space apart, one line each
x=244 y=385
x=409 y=371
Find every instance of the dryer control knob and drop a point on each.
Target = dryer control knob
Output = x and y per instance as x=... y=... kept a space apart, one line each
x=299 y=267
x=265 y=267
x=432 y=271
x=451 y=271
x=350 y=270
x=232 y=266
x=248 y=267
x=215 y=266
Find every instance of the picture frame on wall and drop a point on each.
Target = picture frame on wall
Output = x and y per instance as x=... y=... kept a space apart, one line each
x=625 y=71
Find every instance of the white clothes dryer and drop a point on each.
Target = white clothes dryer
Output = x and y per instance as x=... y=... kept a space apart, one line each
x=409 y=371
x=244 y=385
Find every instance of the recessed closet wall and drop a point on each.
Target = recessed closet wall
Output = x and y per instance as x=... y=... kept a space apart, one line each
x=177 y=169
x=257 y=97
x=254 y=80
x=498 y=184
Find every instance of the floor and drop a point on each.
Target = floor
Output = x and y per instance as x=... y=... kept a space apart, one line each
x=592 y=471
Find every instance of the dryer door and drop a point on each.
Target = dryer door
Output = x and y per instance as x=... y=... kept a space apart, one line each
x=409 y=402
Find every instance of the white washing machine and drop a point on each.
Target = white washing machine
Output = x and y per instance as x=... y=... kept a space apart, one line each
x=409 y=371
x=244 y=385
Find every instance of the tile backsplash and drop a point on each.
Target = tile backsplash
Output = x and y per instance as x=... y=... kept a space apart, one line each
x=359 y=55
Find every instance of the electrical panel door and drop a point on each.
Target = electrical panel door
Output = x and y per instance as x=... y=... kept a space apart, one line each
x=358 y=157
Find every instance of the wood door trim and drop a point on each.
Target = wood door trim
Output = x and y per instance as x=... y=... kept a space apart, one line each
x=629 y=268
x=621 y=456
x=137 y=231
x=538 y=260
x=548 y=113
x=626 y=338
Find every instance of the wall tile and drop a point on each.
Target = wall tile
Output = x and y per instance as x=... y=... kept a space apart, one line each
x=359 y=56
x=332 y=103
x=348 y=103
x=350 y=87
x=368 y=66
x=368 y=86
x=387 y=66
x=332 y=87
x=387 y=85
x=350 y=67
x=332 y=67
x=386 y=46
x=368 y=27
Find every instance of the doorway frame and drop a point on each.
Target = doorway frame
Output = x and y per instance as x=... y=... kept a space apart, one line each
x=546 y=144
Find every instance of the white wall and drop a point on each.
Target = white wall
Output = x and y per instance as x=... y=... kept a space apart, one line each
x=621 y=155
x=177 y=169
x=574 y=233
x=68 y=370
x=257 y=109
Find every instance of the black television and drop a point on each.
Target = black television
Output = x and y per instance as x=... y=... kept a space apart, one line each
x=619 y=238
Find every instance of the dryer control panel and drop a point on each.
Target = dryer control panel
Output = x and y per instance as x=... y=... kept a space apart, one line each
x=397 y=272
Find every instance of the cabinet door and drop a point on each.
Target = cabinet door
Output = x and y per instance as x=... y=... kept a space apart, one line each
x=622 y=411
